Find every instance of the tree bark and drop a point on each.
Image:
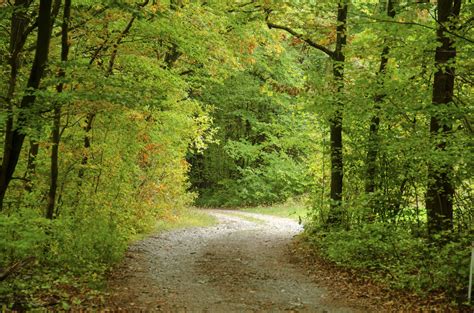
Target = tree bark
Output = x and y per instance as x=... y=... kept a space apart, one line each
x=50 y=209
x=336 y=214
x=337 y=171
x=87 y=144
x=440 y=189
x=15 y=136
x=19 y=23
x=373 y=144
x=56 y=132
x=31 y=165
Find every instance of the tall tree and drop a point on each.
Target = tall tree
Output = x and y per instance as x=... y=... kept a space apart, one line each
x=15 y=134
x=338 y=58
x=372 y=149
x=20 y=30
x=50 y=209
x=337 y=171
x=440 y=189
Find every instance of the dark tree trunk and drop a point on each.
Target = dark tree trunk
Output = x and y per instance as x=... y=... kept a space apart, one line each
x=87 y=144
x=15 y=136
x=19 y=23
x=31 y=165
x=54 y=163
x=56 y=132
x=373 y=144
x=440 y=189
x=335 y=214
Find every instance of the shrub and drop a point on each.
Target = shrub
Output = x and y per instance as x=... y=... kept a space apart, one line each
x=397 y=257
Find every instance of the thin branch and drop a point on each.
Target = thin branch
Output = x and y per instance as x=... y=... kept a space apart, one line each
x=375 y=19
x=15 y=267
x=465 y=120
x=122 y=35
x=187 y=72
x=82 y=23
x=311 y=43
x=446 y=29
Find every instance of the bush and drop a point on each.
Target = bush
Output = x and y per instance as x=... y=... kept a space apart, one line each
x=274 y=181
x=397 y=257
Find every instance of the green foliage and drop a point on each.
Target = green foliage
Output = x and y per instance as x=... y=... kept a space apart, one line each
x=277 y=179
x=385 y=230
x=51 y=254
x=294 y=208
x=189 y=217
x=23 y=235
x=399 y=258
x=129 y=117
x=162 y=105
x=263 y=139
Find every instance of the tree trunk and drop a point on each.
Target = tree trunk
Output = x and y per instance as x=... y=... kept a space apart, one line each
x=373 y=144
x=54 y=163
x=15 y=136
x=87 y=144
x=19 y=23
x=56 y=132
x=31 y=165
x=440 y=189
x=335 y=214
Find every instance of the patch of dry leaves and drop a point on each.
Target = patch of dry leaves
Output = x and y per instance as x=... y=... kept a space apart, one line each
x=355 y=288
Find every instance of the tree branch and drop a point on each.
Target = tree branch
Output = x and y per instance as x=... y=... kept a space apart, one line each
x=381 y=20
x=308 y=41
x=15 y=267
x=449 y=31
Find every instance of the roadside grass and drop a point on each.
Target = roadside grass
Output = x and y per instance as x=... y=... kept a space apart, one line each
x=184 y=218
x=189 y=217
x=294 y=210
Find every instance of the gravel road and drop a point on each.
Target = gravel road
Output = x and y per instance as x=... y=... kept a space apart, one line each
x=243 y=264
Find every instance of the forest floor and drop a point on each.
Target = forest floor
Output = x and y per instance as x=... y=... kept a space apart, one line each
x=248 y=262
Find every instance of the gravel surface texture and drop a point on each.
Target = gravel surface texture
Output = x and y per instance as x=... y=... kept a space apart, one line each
x=243 y=264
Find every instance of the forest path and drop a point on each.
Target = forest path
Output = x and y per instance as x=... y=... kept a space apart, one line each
x=243 y=264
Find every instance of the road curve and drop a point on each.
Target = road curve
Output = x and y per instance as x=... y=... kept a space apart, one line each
x=243 y=264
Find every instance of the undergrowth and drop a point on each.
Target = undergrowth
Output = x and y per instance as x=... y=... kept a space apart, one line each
x=293 y=208
x=397 y=258
x=76 y=266
x=189 y=217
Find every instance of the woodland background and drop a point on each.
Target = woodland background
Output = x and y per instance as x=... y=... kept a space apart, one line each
x=116 y=114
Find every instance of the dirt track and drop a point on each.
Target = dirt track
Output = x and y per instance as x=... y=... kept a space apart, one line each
x=243 y=264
